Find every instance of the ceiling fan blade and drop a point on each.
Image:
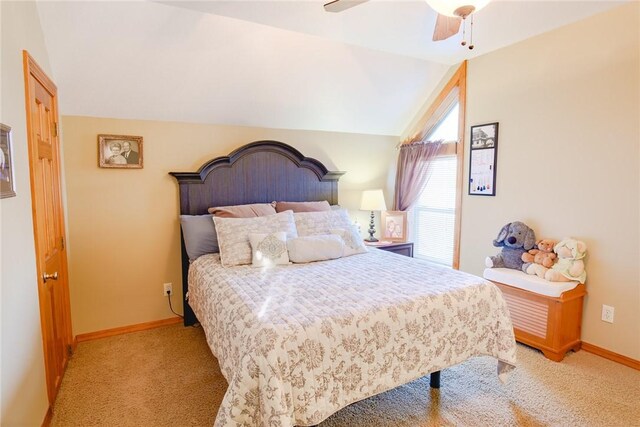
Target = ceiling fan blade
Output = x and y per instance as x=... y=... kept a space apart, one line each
x=340 y=5
x=446 y=27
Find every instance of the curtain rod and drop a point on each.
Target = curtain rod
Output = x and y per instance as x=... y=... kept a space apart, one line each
x=400 y=144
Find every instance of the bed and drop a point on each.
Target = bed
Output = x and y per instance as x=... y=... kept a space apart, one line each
x=297 y=343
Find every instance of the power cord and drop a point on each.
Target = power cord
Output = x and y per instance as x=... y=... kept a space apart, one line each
x=171 y=307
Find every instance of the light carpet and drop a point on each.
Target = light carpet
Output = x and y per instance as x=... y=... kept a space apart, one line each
x=168 y=377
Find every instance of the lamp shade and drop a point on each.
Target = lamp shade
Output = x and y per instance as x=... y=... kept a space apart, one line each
x=373 y=200
x=448 y=7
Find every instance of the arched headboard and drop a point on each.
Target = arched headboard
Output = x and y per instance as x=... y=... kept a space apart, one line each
x=259 y=172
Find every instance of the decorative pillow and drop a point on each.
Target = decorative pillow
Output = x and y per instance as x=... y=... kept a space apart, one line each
x=269 y=249
x=315 y=248
x=315 y=223
x=303 y=206
x=353 y=243
x=233 y=234
x=199 y=233
x=243 y=211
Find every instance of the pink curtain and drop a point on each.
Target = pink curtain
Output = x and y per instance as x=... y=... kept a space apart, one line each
x=413 y=172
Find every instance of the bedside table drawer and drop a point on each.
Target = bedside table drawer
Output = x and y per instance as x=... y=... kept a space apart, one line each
x=405 y=249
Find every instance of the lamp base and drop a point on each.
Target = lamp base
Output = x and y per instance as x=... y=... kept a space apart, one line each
x=372 y=230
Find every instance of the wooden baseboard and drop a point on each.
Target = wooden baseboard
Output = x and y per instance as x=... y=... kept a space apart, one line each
x=127 y=329
x=47 y=418
x=619 y=358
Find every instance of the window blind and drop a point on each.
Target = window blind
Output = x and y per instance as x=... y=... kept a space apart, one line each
x=434 y=214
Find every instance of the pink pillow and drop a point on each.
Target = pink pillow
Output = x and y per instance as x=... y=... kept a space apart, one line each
x=303 y=206
x=243 y=211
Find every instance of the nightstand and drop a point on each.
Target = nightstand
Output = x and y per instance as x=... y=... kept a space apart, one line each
x=405 y=249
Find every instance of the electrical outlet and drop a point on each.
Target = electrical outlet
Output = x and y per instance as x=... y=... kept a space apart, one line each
x=607 y=313
x=168 y=288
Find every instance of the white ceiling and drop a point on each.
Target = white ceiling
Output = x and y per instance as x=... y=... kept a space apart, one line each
x=266 y=63
x=406 y=27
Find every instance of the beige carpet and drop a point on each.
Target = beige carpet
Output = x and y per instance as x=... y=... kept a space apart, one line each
x=168 y=377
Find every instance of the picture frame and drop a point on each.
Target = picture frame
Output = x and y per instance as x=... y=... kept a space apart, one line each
x=483 y=159
x=7 y=188
x=394 y=226
x=120 y=152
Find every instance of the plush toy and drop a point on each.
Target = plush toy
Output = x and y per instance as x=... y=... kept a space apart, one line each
x=515 y=239
x=570 y=265
x=542 y=254
x=538 y=260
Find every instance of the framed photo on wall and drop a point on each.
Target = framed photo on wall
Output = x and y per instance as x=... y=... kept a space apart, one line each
x=394 y=226
x=120 y=151
x=7 y=188
x=482 y=159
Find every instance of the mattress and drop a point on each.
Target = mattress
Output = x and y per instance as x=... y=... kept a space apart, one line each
x=298 y=342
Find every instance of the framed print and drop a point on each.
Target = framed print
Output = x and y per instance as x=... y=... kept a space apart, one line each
x=484 y=136
x=6 y=163
x=394 y=226
x=482 y=160
x=120 y=151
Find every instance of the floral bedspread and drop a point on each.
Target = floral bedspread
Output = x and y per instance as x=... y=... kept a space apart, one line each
x=297 y=343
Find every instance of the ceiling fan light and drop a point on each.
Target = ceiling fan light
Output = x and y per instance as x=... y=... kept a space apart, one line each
x=448 y=7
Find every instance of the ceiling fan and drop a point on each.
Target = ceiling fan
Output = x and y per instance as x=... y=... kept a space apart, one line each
x=451 y=15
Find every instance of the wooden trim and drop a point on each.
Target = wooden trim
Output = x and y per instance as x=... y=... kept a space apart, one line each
x=48 y=417
x=461 y=81
x=127 y=329
x=33 y=67
x=615 y=357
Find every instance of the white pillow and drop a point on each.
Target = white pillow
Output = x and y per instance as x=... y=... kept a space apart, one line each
x=233 y=234
x=316 y=223
x=315 y=248
x=353 y=243
x=269 y=249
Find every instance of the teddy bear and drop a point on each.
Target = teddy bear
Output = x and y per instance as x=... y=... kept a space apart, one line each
x=570 y=265
x=515 y=238
x=538 y=260
x=542 y=253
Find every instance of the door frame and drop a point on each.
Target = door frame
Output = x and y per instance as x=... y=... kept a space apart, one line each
x=31 y=68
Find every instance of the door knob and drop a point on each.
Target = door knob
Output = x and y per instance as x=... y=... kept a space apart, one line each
x=47 y=276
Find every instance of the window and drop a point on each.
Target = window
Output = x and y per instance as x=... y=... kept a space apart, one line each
x=447 y=129
x=435 y=218
x=434 y=214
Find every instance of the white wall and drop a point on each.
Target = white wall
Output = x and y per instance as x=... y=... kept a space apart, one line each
x=568 y=157
x=24 y=396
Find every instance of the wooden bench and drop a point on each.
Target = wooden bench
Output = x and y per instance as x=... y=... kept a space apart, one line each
x=545 y=315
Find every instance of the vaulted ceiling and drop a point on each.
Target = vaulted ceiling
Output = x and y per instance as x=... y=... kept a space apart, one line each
x=271 y=64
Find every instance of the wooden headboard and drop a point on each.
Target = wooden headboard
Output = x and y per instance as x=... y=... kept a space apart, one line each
x=259 y=172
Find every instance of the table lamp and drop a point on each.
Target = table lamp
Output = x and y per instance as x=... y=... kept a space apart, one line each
x=372 y=200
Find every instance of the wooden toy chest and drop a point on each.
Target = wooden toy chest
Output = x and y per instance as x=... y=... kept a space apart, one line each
x=549 y=323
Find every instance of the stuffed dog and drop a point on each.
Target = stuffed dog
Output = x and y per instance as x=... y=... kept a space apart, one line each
x=515 y=239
